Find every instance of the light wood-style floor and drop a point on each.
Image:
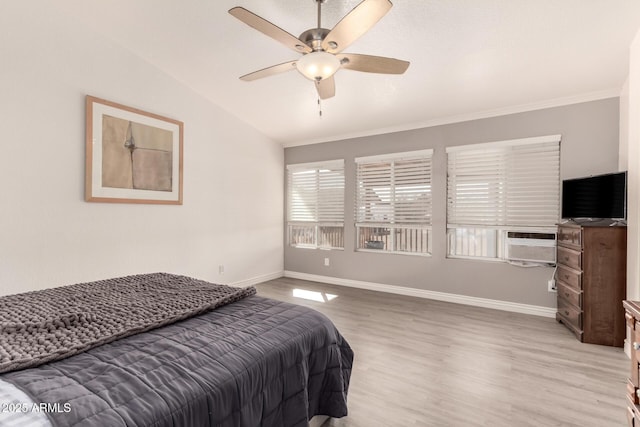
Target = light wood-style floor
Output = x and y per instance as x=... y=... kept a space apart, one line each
x=420 y=362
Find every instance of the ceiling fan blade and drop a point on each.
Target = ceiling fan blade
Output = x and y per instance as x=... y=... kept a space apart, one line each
x=269 y=29
x=373 y=64
x=269 y=71
x=326 y=88
x=354 y=24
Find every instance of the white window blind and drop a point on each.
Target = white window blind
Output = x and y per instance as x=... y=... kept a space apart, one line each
x=510 y=183
x=315 y=204
x=393 y=202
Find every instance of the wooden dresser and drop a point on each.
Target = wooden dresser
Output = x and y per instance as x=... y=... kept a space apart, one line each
x=591 y=281
x=632 y=316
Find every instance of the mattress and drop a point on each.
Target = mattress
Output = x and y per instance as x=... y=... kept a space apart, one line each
x=254 y=362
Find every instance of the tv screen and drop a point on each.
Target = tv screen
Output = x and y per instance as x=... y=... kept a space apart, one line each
x=601 y=196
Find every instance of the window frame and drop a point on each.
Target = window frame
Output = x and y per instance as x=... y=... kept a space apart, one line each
x=396 y=230
x=548 y=145
x=326 y=212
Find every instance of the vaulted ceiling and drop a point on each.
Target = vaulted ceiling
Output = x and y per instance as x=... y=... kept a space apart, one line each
x=469 y=58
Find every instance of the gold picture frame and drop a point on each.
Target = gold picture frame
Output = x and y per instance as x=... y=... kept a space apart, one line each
x=132 y=156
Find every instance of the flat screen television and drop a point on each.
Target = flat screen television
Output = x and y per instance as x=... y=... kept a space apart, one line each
x=597 y=197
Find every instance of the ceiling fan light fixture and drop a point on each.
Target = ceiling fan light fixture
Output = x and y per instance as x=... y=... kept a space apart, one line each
x=318 y=65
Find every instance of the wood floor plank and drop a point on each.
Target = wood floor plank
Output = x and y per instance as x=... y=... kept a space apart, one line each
x=420 y=362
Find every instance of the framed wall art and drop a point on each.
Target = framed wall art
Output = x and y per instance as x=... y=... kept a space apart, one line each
x=132 y=156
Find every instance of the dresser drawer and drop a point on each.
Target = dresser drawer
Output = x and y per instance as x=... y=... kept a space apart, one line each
x=570 y=236
x=569 y=295
x=570 y=277
x=570 y=257
x=570 y=314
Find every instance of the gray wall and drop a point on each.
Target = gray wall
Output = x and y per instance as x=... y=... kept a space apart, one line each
x=589 y=146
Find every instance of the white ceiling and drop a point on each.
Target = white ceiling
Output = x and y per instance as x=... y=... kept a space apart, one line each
x=469 y=58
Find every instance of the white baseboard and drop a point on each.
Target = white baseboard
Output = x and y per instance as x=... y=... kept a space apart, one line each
x=423 y=293
x=258 y=279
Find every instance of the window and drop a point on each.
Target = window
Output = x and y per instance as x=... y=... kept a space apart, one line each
x=501 y=187
x=393 y=203
x=315 y=205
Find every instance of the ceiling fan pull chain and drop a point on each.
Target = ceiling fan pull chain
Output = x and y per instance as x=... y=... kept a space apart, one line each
x=319 y=108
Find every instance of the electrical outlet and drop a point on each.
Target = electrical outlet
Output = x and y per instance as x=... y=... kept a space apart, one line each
x=551 y=285
x=326 y=262
x=221 y=269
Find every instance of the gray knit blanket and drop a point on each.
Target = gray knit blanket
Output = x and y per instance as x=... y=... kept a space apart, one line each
x=52 y=324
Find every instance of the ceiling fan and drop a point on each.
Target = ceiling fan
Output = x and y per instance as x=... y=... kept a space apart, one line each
x=322 y=48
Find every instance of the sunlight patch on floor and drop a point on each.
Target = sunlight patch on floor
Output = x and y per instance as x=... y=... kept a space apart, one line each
x=313 y=295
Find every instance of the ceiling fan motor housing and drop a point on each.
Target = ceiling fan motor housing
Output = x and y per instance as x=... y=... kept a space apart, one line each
x=313 y=37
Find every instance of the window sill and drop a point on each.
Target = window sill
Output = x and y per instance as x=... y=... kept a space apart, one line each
x=476 y=258
x=315 y=247
x=380 y=251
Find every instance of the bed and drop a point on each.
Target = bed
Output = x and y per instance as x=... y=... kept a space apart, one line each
x=241 y=360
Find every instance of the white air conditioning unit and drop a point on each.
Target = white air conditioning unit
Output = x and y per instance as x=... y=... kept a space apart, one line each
x=531 y=247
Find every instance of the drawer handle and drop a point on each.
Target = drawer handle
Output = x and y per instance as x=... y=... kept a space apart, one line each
x=636 y=345
x=566 y=313
x=566 y=294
